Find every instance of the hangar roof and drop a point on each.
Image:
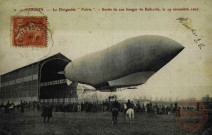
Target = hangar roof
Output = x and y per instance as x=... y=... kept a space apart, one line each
x=57 y=55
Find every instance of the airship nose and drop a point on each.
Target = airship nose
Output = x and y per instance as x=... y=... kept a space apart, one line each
x=178 y=47
x=175 y=49
x=165 y=51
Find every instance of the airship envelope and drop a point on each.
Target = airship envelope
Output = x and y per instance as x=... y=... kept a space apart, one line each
x=128 y=63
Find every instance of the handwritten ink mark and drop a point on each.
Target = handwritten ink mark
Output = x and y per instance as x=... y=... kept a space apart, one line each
x=201 y=45
x=183 y=21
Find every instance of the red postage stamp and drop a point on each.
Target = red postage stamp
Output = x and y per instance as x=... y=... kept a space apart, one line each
x=191 y=115
x=29 y=31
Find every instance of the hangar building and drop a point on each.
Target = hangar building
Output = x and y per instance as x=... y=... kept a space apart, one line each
x=38 y=81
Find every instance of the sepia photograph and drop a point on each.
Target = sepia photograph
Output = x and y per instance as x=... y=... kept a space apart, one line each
x=90 y=67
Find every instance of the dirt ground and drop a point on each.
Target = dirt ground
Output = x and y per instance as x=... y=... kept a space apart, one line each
x=82 y=123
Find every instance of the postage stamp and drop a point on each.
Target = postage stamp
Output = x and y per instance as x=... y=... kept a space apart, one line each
x=191 y=115
x=29 y=31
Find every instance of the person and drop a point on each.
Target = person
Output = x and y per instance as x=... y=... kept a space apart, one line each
x=138 y=108
x=6 y=107
x=130 y=111
x=22 y=107
x=47 y=112
x=177 y=112
x=115 y=111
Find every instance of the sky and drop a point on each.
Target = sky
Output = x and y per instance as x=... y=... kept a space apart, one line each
x=78 y=33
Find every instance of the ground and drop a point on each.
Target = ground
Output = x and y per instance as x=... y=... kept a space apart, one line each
x=82 y=123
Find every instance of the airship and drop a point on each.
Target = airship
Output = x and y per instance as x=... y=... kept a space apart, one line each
x=128 y=63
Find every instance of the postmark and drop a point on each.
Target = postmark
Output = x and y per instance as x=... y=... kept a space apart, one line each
x=29 y=31
x=191 y=115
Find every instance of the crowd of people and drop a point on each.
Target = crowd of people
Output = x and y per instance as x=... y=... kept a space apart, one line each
x=128 y=108
x=90 y=107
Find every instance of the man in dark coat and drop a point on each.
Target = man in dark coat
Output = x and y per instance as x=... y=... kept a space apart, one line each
x=115 y=111
x=47 y=112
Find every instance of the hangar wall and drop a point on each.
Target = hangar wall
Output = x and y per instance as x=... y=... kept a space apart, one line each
x=39 y=81
x=20 y=84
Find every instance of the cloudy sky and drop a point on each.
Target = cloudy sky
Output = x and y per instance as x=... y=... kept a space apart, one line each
x=78 y=33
